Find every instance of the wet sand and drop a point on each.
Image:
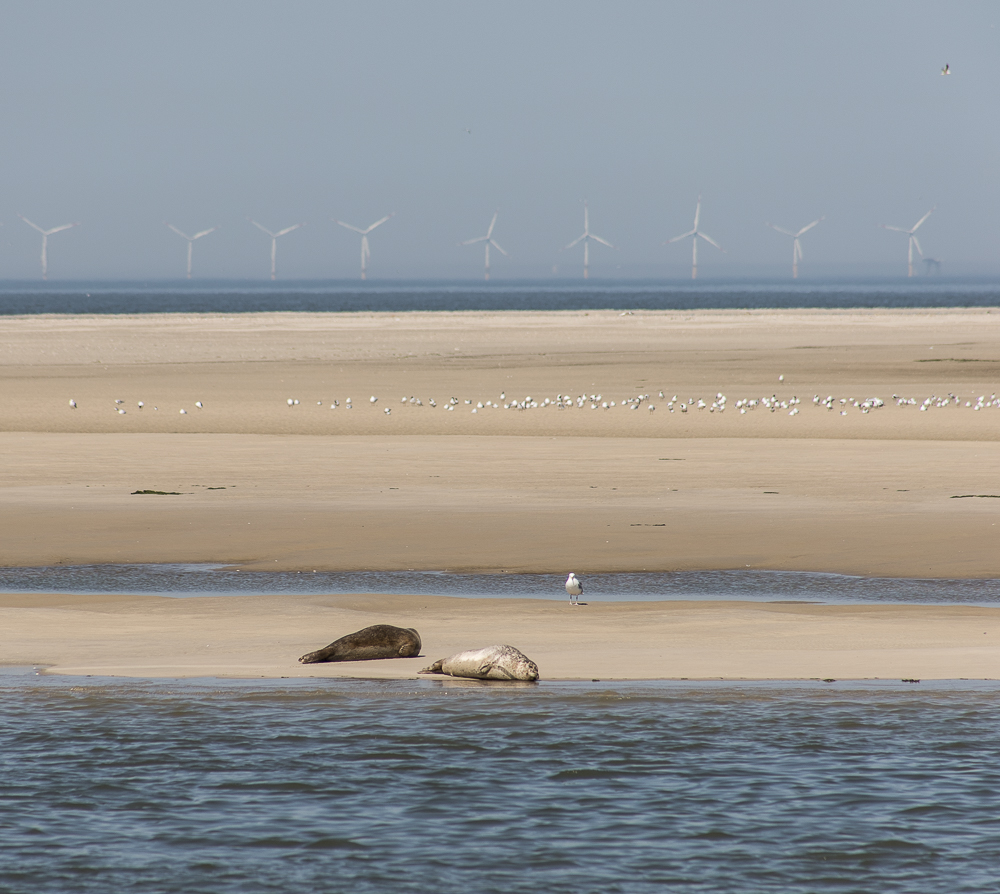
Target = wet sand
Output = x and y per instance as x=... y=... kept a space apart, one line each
x=252 y=482
x=501 y=503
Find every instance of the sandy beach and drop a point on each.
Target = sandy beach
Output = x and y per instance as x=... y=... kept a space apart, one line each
x=883 y=488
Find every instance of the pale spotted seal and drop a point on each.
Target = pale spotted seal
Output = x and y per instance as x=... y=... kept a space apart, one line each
x=378 y=641
x=492 y=663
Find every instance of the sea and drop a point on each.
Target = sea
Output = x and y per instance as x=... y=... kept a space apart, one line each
x=359 y=786
x=236 y=296
x=192 y=580
x=340 y=785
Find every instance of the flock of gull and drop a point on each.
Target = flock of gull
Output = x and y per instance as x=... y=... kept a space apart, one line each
x=719 y=404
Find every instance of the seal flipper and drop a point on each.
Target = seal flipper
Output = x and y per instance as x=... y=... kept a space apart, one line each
x=487 y=669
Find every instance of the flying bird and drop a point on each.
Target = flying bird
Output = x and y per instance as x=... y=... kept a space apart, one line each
x=946 y=70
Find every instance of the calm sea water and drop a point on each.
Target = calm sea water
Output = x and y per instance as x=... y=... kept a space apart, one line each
x=435 y=786
x=238 y=297
x=209 y=580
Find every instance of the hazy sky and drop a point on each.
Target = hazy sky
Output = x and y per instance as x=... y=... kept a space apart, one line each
x=123 y=115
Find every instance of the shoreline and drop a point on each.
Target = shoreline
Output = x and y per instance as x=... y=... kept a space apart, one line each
x=437 y=682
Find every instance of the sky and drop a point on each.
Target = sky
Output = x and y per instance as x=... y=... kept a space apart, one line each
x=126 y=115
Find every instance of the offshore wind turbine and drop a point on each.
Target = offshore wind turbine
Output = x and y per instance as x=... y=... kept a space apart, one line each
x=586 y=236
x=913 y=239
x=694 y=233
x=274 y=239
x=796 y=248
x=190 y=242
x=365 y=250
x=45 y=240
x=489 y=240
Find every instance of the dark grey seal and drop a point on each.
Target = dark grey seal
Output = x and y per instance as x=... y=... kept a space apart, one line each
x=492 y=663
x=377 y=641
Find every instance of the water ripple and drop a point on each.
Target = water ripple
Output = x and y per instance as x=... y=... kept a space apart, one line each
x=760 y=586
x=259 y=788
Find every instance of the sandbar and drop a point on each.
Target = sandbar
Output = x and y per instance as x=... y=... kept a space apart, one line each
x=262 y=636
x=896 y=474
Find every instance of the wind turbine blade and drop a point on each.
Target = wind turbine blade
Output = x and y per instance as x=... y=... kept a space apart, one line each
x=602 y=241
x=697 y=213
x=897 y=229
x=922 y=219
x=808 y=227
x=493 y=223
x=709 y=240
x=59 y=229
x=262 y=229
x=288 y=230
x=474 y=241
x=796 y=250
x=203 y=233
x=350 y=227
x=379 y=223
x=773 y=227
x=32 y=225
x=179 y=233
x=575 y=241
x=586 y=219
x=916 y=242
x=498 y=248
x=678 y=238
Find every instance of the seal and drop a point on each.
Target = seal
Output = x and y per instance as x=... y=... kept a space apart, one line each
x=378 y=641
x=498 y=662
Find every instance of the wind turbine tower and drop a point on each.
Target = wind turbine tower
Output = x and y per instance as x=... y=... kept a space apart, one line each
x=796 y=247
x=489 y=240
x=274 y=240
x=365 y=250
x=45 y=240
x=585 y=237
x=694 y=233
x=190 y=242
x=913 y=242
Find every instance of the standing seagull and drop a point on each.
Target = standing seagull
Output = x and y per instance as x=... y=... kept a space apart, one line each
x=796 y=248
x=190 y=241
x=574 y=588
x=45 y=240
x=586 y=237
x=365 y=250
x=695 y=233
x=913 y=239
x=274 y=240
x=489 y=240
